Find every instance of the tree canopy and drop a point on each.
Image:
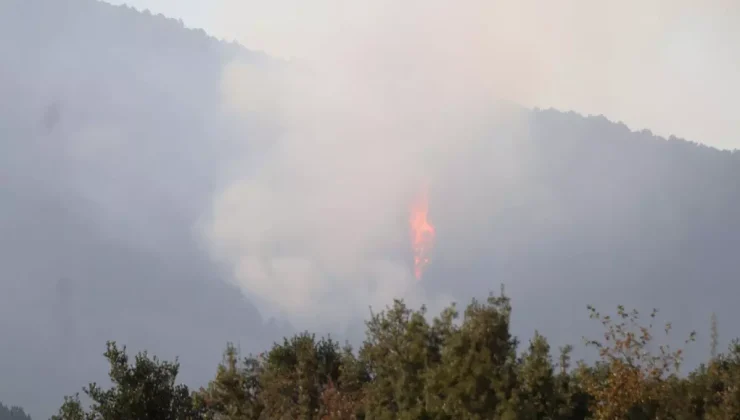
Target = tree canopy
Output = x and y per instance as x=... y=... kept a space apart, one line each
x=455 y=365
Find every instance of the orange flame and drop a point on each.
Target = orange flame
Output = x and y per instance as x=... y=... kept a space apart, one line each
x=422 y=233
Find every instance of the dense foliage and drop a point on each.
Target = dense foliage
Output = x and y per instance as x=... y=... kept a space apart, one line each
x=455 y=366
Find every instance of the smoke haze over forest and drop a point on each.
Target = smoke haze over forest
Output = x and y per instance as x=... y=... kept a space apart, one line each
x=173 y=192
x=659 y=65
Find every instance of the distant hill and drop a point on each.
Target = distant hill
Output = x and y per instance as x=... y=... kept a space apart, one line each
x=12 y=413
x=76 y=239
x=608 y=215
x=112 y=144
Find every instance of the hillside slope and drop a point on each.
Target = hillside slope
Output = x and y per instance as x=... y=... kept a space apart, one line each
x=113 y=143
x=101 y=185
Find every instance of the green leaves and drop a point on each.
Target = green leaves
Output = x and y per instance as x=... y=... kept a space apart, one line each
x=397 y=352
x=234 y=392
x=296 y=373
x=145 y=389
x=454 y=366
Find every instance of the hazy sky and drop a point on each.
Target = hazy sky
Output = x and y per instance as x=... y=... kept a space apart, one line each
x=672 y=66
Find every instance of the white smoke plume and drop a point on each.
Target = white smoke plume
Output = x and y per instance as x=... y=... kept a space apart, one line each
x=395 y=94
x=319 y=229
x=657 y=64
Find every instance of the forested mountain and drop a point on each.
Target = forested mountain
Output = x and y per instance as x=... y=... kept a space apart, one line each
x=84 y=233
x=114 y=141
x=12 y=413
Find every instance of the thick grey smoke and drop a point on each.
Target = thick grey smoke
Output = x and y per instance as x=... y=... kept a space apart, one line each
x=319 y=228
x=389 y=95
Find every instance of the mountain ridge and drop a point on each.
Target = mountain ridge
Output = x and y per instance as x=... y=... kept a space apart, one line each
x=114 y=145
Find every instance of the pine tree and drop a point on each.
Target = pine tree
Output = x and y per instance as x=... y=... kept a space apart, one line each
x=233 y=393
x=476 y=377
x=714 y=336
x=537 y=390
x=295 y=375
x=398 y=352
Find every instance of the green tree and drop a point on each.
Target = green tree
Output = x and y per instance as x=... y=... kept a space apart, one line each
x=631 y=380
x=295 y=375
x=398 y=351
x=714 y=336
x=72 y=409
x=145 y=389
x=452 y=368
x=234 y=393
x=722 y=398
x=476 y=378
x=346 y=399
x=571 y=399
x=538 y=397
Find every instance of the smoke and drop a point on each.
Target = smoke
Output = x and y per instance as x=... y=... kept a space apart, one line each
x=317 y=230
x=386 y=96
x=654 y=64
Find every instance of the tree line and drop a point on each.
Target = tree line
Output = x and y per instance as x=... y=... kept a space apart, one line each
x=13 y=413
x=458 y=365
